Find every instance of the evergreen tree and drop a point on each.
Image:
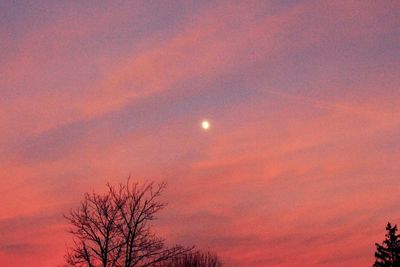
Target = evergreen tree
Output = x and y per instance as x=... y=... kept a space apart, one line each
x=388 y=254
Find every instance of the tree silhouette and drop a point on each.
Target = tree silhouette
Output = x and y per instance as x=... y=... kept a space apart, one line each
x=114 y=229
x=193 y=259
x=388 y=254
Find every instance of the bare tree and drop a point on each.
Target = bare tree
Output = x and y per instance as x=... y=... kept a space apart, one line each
x=114 y=229
x=193 y=259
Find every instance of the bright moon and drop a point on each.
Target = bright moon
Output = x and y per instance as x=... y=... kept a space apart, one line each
x=205 y=125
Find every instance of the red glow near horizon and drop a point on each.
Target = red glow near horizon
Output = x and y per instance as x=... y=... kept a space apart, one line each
x=298 y=168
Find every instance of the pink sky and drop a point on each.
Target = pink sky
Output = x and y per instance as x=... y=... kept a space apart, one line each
x=300 y=166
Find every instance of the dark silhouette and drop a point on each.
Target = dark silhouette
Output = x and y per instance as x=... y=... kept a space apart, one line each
x=194 y=259
x=113 y=229
x=388 y=254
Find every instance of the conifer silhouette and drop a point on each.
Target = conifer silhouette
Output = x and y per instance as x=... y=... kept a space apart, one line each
x=388 y=254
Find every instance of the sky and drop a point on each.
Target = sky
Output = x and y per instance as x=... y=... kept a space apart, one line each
x=300 y=166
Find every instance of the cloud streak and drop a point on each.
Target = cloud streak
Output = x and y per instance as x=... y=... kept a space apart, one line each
x=300 y=165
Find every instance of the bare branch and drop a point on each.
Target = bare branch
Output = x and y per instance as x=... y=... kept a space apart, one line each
x=114 y=229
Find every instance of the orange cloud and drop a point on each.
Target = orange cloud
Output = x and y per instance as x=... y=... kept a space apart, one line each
x=303 y=100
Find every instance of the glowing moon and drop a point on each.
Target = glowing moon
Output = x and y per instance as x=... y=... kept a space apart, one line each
x=205 y=125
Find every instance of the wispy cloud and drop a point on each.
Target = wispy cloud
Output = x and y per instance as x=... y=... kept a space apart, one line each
x=302 y=98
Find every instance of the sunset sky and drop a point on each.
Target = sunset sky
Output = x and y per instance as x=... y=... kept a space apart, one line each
x=300 y=166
